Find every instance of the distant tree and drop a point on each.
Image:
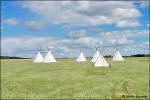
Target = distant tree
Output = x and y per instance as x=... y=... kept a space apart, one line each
x=7 y=57
x=141 y=55
x=107 y=56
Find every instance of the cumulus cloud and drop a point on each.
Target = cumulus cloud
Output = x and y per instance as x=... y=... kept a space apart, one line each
x=21 y=45
x=148 y=25
x=125 y=13
x=124 y=33
x=33 y=25
x=142 y=48
x=128 y=23
x=84 y=13
x=70 y=14
x=144 y=4
x=11 y=21
x=83 y=32
x=77 y=34
x=70 y=47
x=65 y=47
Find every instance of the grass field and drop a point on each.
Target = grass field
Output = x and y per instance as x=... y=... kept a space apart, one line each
x=67 y=79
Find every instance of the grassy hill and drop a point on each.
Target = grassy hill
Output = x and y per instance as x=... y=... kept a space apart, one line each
x=67 y=79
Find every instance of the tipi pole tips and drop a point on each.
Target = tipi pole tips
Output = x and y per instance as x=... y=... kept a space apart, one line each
x=48 y=48
x=81 y=50
x=38 y=49
x=96 y=47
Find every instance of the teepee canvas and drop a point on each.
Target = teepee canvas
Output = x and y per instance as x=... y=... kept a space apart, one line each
x=100 y=61
x=81 y=57
x=49 y=57
x=117 y=56
x=38 y=58
x=95 y=56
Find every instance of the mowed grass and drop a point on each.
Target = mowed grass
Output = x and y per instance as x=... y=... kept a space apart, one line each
x=67 y=79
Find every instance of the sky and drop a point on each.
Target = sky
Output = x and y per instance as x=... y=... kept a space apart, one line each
x=69 y=26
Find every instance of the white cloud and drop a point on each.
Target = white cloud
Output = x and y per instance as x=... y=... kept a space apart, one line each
x=128 y=23
x=142 y=48
x=22 y=43
x=77 y=34
x=124 y=33
x=64 y=48
x=105 y=39
x=70 y=46
x=126 y=13
x=84 y=13
x=22 y=46
x=144 y=4
x=148 y=25
x=33 y=25
x=11 y=21
x=67 y=47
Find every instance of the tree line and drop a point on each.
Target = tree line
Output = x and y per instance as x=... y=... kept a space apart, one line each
x=137 y=55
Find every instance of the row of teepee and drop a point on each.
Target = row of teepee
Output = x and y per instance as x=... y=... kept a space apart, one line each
x=47 y=59
x=98 y=59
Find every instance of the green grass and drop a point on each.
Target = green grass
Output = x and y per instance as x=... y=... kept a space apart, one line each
x=67 y=79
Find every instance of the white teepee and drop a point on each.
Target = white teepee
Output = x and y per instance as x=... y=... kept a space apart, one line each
x=38 y=58
x=49 y=57
x=100 y=61
x=95 y=55
x=117 y=56
x=81 y=57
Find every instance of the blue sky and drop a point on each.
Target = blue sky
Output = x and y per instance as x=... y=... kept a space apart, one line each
x=68 y=26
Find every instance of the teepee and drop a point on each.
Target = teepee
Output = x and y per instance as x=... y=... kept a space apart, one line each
x=38 y=58
x=100 y=61
x=95 y=55
x=49 y=57
x=117 y=56
x=81 y=57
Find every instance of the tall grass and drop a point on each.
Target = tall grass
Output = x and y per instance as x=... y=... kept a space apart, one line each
x=67 y=79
